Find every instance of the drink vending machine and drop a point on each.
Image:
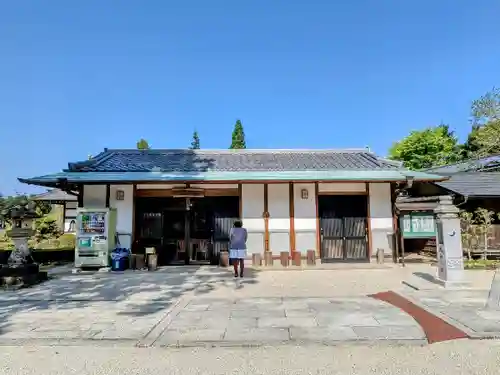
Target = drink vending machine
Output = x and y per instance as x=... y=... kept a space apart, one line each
x=95 y=236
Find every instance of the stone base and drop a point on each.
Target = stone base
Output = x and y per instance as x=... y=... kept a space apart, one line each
x=453 y=284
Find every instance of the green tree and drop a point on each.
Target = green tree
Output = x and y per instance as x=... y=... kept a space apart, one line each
x=484 y=138
x=195 y=143
x=238 y=137
x=142 y=144
x=46 y=228
x=426 y=148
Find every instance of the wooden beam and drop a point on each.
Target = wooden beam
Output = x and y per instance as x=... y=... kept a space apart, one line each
x=266 y=217
x=108 y=195
x=369 y=249
x=342 y=192
x=292 y=218
x=318 y=227
x=165 y=193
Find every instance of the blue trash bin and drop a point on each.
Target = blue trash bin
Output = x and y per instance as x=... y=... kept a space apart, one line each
x=119 y=259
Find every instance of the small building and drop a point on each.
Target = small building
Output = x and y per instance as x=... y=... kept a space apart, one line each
x=64 y=204
x=337 y=202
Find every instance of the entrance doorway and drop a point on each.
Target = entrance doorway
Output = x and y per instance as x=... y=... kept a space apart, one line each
x=344 y=231
x=186 y=230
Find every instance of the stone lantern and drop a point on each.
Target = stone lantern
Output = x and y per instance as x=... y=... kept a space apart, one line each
x=22 y=218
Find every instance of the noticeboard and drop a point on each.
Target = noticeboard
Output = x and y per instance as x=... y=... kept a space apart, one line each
x=418 y=225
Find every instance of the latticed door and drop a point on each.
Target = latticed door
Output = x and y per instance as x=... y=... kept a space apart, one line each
x=343 y=238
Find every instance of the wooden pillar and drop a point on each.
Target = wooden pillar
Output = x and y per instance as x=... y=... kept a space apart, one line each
x=134 y=193
x=64 y=217
x=108 y=194
x=292 y=219
x=240 y=197
x=80 y=195
x=266 y=217
x=318 y=227
x=187 y=234
x=369 y=249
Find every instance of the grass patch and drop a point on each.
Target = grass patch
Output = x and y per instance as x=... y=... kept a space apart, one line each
x=481 y=264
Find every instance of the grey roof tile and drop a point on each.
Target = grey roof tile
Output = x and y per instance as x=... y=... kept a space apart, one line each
x=55 y=195
x=232 y=160
x=487 y=163
x=473 y=184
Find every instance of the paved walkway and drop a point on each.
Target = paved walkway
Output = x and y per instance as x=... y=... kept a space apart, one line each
x=199 y=306
x=258 y=321
x=474 y=310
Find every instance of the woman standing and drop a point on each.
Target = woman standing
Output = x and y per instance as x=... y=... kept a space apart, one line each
x=238 y=246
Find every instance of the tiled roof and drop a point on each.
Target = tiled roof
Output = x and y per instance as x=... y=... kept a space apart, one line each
x=474 y=184
x=231 y=161
x=55 y=195
x=487 y=163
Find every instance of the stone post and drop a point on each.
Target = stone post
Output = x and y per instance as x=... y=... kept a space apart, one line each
x=449 y=244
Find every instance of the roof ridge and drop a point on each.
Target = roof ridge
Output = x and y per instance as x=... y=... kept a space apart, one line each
x=244 y=150
x=93 y=162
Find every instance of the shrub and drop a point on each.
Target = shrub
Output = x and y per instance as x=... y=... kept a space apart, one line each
x=67 y=241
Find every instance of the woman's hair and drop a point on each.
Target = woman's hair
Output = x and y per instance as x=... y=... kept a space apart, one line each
x=238 y=224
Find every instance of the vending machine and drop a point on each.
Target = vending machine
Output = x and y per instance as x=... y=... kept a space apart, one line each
x=95 y=237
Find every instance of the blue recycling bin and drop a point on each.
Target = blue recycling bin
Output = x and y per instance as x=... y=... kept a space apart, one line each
x=119 y=259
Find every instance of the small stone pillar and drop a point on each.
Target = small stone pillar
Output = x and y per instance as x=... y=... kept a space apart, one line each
x=296 y=258
x=256 y=260
x=449 y=244
x=284 y=258
x=311 y=257
x=268 y=258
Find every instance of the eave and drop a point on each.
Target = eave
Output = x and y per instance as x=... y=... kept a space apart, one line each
x=95 y=178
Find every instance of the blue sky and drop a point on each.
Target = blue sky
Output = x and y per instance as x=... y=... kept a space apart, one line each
x=79 y=76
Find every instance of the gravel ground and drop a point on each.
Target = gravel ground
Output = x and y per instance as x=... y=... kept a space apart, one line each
x=457 y=357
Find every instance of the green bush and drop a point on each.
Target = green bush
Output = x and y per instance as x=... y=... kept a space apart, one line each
x=67 y=241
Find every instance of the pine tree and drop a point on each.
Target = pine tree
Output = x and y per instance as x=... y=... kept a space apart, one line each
x=238 y=137
x=195 y=143
x=142 y=144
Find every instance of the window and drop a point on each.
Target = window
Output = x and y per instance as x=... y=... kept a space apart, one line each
x=72 y=225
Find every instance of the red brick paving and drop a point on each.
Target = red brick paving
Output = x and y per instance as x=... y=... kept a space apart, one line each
x=436 y=329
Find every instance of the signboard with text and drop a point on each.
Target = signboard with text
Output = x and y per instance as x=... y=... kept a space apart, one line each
x=418 y=225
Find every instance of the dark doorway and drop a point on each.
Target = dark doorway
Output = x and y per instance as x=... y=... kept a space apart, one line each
x=343 y=222
x=184 y=230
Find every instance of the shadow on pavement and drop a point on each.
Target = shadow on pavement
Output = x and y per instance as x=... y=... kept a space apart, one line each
x=130 y=294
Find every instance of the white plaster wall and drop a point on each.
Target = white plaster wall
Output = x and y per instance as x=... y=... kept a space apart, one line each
x=252 y=202
x=67 y=225
x=278 y=199
x=305 y=218
x=279 y=217
x=94 y=196
x=342 y=187
x=381 y=224
x=124 y=213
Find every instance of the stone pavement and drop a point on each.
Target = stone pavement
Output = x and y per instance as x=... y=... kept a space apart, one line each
x=258 y=321
x=202 y=306
x=474 y=310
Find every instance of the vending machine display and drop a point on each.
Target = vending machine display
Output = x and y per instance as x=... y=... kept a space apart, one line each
x=96 y=232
